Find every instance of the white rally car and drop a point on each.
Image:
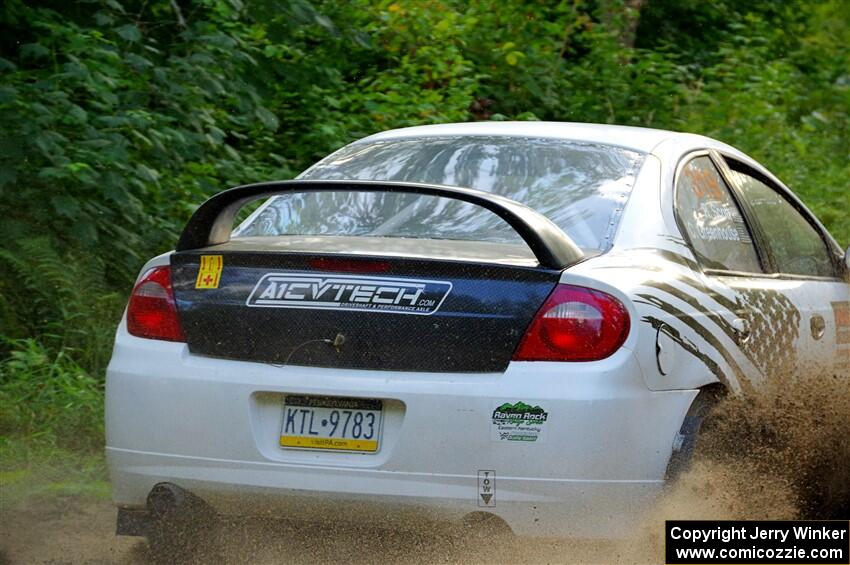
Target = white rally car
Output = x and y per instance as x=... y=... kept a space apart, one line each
x=520 y=319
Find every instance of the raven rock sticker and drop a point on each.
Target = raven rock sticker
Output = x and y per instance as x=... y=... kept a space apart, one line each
x=518 y=422
x=344 y=292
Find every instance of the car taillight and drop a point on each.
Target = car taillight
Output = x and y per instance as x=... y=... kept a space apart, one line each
x=152 y=312
x=575 y=324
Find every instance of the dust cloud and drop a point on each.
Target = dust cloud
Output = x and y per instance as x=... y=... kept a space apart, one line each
x=782 y=454
x=785 y=451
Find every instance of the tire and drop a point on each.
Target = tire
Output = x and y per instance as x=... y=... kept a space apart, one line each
x=686 y=439
x=481 y=526
x=182 y=526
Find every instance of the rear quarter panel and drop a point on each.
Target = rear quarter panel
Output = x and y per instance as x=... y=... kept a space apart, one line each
x=677 y=332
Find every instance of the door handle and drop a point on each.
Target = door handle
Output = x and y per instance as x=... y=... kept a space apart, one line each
x=741 y=327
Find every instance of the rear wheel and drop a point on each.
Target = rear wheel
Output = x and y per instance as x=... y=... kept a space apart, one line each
x=783 y=452
x=688 y=436
x=182 y=526
x=484 y=527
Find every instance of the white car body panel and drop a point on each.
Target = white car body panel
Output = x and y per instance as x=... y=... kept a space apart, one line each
x=211 y=425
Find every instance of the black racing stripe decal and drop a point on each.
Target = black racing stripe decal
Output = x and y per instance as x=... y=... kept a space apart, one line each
x=692 y=266
x=688 y=346
x=721 y=322
x=773 y=319
x=732 y=305
x=673 y=239
x=701 y=331
x=679 y=259
x=774 y=326
x=694 y=303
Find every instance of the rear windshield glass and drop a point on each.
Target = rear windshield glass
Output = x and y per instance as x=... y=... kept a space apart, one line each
x=580 y=187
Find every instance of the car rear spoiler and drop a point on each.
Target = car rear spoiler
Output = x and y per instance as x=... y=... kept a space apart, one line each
x=212 y=222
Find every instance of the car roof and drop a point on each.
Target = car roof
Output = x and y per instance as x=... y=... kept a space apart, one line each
x=635 y=138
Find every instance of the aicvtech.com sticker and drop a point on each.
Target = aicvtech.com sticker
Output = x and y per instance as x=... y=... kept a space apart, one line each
x=518 y=421
x=344 y=292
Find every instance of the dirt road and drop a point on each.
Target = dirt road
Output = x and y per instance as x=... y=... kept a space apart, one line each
x=65 y=531
x=777 y=456
x=70 y=531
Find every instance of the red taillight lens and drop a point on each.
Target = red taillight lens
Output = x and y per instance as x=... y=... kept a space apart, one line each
x=152 y=312
x=575 y=324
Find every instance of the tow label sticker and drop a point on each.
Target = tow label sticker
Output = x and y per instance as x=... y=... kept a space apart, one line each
x=343 y=292
x=519 y=422
x=487 y=488
x=209 y=271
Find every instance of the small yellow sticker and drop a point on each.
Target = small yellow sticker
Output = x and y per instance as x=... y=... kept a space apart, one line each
x=209 y=273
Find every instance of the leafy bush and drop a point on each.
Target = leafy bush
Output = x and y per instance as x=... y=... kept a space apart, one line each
x=62 y=298
x=109 y=140
x=48 y=398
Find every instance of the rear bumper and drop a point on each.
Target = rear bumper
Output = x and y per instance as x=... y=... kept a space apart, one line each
x=211 y=427
x=547 y=507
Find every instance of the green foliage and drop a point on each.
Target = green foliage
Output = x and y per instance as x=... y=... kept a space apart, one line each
x=62 y=298
x=791 y=113
x=39 y=473
x=109 y=135
x=49 y=398
x=427 y=78
x=118 y=118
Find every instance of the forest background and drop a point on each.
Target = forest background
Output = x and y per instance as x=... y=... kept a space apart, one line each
x=118 y=118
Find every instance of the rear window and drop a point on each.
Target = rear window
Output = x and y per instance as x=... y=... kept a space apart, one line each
x=580 y=187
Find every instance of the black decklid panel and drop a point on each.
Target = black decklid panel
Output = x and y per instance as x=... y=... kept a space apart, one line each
x=431 y=315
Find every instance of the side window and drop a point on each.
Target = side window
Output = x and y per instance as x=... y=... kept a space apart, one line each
x=712 y=220
x=795 y=245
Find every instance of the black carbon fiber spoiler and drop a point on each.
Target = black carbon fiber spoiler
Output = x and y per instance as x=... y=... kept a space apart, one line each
x=212 y=222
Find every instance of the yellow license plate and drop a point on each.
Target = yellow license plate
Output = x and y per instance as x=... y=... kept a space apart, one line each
x=331 y=423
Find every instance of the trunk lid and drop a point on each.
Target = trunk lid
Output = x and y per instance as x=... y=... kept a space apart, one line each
x=400 y=304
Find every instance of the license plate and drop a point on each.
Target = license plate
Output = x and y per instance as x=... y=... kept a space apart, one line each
x=329 y=423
